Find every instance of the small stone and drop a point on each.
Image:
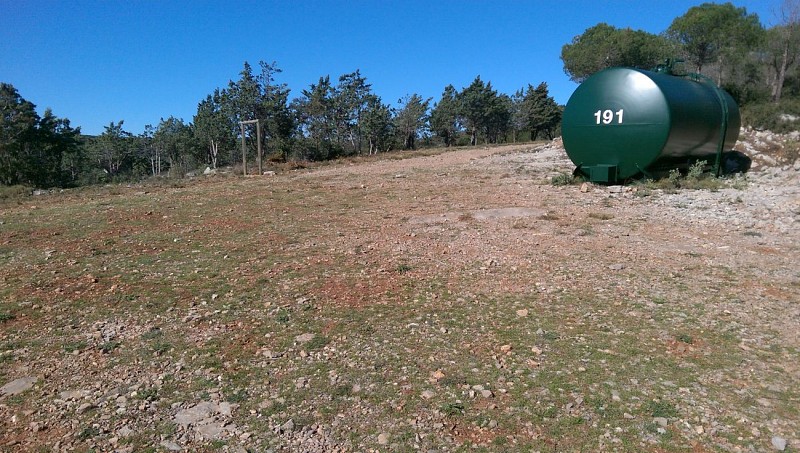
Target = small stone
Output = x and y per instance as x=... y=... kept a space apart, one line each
x=170 y=445
x=536 y=350
x=427 y=394
x=699 y=429
x=383 y=438
x=72 y=394
x=627 y=416
x=288 y=426
x=616 y=267
x=438 y=375
x=125 y=431
x=779 y=443
x=585 y=187
x=211 y=430
x=660 y=421
x=84 y=408
x=506 y=348
x=304 y=338
x=226 y=408
x=487 y=393
x=615 y=396
x=18 y=386
x=522 y=313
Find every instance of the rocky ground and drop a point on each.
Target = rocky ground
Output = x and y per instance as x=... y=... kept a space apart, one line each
x=445 y=302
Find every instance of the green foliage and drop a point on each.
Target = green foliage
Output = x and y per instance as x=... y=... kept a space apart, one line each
x=540 y=112
x=411 y=119
x=604 y=46
x=713 y=33
x=75 y=346
x=696 y=178
x=696 y=170
x=174 y=140
x=780 y=117
x=213 y=127
x=483 y=112
x=444 y=119
x=109 y=346
x=377 y=127
x=452 y=409
x=33 y=149
x=564 y=179
x=660 y=408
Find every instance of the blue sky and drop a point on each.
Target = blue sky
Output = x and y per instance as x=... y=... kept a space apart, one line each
x=95 y=62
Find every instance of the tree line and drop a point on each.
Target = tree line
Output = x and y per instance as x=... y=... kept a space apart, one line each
x=328 y=120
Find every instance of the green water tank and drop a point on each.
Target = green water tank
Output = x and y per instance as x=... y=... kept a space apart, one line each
x=624 y=122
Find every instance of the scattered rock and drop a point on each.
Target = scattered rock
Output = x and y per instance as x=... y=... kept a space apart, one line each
x=85 y=407
x=18 y=386
x=211 y=431
x=779 y=443
x=170 y=445
x=427 y=394
x=383 y=438
x=661 y=421
x=304 y=338
x=287 y=427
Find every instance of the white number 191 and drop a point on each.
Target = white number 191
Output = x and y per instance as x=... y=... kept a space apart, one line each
x=607 y=116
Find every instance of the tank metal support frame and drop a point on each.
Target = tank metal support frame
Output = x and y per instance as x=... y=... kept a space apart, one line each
x=723 y=130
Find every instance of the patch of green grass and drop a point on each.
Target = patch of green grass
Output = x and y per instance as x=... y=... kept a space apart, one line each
x=152 y=334
x=109 y=346
x=282 y=316
x=88 y=433
x=160 y=347
x=318 y=342
x=147 y=394
x=6 y=316
x=454 y=409
x=660 y=408
x=74 y=346
x=685 y=338
x=564 y=179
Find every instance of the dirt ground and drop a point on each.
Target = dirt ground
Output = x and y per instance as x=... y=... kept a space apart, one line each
x=444 y=302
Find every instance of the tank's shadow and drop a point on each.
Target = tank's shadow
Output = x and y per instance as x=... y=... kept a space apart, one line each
x=735 y=162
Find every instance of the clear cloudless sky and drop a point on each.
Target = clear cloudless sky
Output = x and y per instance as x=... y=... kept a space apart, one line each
x=100 y=61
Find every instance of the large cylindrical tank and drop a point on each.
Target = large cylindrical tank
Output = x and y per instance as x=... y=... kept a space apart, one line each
x=623 y=122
